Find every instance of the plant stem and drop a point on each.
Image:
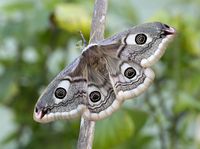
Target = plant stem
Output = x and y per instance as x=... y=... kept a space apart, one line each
x=87 y=127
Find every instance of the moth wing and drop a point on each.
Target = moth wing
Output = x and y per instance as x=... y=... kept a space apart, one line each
x=143 y=44
x=129 y=55
x=66 y=96
x=128 y=79
x=102 y=100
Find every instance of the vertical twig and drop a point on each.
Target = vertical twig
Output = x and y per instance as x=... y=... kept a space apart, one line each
x=98 y=20
x=87 y=128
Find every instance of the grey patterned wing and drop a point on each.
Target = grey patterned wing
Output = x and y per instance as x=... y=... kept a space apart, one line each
x=66 y=96
x=143 y=44
x=128 y=78
x=102 y=100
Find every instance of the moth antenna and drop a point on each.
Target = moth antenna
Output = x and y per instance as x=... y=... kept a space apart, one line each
x=91 y=38
x=83 y=39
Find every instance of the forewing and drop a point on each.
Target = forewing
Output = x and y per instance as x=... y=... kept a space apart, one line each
x=143 y=44
x=66 y=96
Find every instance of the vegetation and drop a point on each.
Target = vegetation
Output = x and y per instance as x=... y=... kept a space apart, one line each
x=39 y=38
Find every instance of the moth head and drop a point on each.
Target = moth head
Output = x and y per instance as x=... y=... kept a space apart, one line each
x=64 y=98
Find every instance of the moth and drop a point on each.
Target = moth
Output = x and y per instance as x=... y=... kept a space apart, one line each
x=106 y=74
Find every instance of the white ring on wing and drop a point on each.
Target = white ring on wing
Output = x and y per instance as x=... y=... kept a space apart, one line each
x=64 y=84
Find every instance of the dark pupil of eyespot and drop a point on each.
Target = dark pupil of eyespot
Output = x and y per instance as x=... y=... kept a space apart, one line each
x=130 y=73
x=140 y=38
x=95 y=96
x=60 y=93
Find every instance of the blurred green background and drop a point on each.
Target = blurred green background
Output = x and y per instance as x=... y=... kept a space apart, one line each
x=39 y=37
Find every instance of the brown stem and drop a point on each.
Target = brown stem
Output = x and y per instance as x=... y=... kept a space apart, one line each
x=98 y=21
x=87 y=127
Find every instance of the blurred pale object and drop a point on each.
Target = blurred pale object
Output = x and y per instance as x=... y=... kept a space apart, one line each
x=72 y=18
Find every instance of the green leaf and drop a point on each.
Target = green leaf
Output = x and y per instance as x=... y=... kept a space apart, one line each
x=16 y=6
x=186 y=102
x=138 y=139
x=142 y=141
x=113 y=130
x=139 y=118
x=8 y=86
